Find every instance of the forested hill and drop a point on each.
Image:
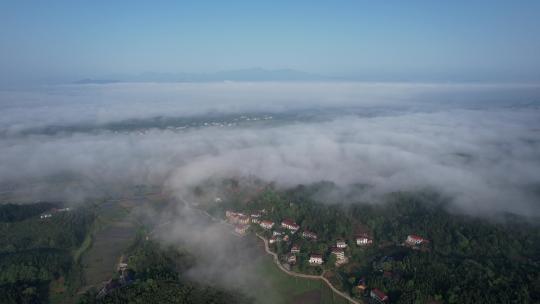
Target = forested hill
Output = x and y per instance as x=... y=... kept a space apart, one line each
x=15 y=212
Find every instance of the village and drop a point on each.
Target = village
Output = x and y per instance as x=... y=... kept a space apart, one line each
x=286 y=239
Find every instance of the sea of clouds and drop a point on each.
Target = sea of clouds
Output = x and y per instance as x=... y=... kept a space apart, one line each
x=476 y=143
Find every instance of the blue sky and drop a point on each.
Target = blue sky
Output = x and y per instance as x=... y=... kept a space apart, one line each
x=48 y=41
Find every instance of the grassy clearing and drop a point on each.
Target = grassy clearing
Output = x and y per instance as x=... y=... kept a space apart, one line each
x=283 y=288
x=112 y=232
x=286 y=289
x=109 y=243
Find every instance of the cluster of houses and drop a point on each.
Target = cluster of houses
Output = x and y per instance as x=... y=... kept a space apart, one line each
x=242 y=222
x=52 y=211
x=125 y=277
x=339 y=252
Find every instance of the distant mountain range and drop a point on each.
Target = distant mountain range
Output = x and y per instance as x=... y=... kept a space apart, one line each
x=253 y=74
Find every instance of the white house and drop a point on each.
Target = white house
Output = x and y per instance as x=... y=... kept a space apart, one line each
x=267 y=225
x=315 y=259
x=309 y=235
x=122 y=266
x=341 y=244
x=363 y=240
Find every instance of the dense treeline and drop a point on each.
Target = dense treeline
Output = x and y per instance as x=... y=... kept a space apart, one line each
x=15 y=213
x=148 y=260
x=35 y=252
x=34 y=265
x=468 y=259
x=23 y=293
x=158 y=278
x=471 y=260
x=64 y=230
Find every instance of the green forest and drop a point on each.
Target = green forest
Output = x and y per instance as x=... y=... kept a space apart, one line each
x=157 y=274
x=35 y=252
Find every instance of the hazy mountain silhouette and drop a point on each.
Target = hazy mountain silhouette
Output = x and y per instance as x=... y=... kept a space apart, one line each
x=252 y=74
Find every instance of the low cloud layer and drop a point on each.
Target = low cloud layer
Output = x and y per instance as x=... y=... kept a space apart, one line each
x=101 y=104
x=483 y=151
x=222 y=258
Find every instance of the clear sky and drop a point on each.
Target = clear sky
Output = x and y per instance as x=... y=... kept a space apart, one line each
x=44 y=41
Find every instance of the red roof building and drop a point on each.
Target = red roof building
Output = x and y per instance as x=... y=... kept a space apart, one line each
x=378 y=295
x=415 y=240
x=290 y=224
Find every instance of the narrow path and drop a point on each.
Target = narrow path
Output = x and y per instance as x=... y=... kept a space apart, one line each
x=306 y=276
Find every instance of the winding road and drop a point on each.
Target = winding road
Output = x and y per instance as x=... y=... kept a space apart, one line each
x=305 y=276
